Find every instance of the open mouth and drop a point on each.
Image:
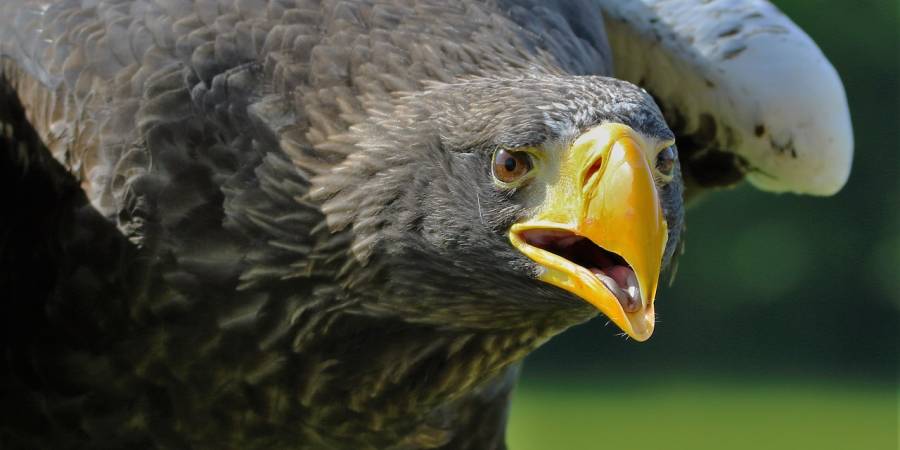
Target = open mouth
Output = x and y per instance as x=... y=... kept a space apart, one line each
x=598 y=230
x=608 y=267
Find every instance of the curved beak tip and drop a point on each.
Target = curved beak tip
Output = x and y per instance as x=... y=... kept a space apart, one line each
x=643 y=324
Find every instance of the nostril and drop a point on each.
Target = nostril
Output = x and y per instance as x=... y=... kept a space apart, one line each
x=595 y=167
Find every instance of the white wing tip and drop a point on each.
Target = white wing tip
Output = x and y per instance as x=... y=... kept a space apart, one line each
x=779 y=103
x=799 y=136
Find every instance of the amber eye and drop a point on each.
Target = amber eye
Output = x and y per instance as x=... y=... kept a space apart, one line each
x=665 y=161
x=509 y=166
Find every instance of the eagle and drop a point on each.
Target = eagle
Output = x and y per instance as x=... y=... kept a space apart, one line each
x=342 y=224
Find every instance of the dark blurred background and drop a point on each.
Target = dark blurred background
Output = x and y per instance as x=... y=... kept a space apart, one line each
x=781 y=329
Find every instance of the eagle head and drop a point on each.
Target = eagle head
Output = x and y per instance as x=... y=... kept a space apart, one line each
x=515 y=202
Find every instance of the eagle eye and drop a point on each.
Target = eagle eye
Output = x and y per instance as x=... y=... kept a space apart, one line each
x=511 y=166
x=665 y=161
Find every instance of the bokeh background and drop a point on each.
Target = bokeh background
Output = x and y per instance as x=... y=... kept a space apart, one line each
x=781 y=330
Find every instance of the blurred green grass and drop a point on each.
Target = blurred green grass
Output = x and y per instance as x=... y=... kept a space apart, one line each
x=689 y=414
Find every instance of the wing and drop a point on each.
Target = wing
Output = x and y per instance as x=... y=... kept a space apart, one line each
x=746 y=91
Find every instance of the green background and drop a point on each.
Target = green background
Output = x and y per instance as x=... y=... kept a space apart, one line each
x=780 y=331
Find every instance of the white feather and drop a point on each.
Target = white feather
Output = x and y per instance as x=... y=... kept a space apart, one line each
x=776 y=99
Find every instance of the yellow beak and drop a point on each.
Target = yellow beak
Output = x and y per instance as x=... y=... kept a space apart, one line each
x=604 y=192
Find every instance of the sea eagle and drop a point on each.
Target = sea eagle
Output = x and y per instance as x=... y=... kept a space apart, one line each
x=323 y=224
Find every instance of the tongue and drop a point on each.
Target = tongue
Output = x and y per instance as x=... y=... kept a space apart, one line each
x=620 y=274
x=622 y=283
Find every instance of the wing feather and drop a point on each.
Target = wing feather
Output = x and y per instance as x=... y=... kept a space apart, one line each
x=747 y=92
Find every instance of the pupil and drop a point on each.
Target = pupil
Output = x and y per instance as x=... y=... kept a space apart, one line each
x=510 y=164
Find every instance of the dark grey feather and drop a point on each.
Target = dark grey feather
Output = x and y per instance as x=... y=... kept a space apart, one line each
x=287 y=237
